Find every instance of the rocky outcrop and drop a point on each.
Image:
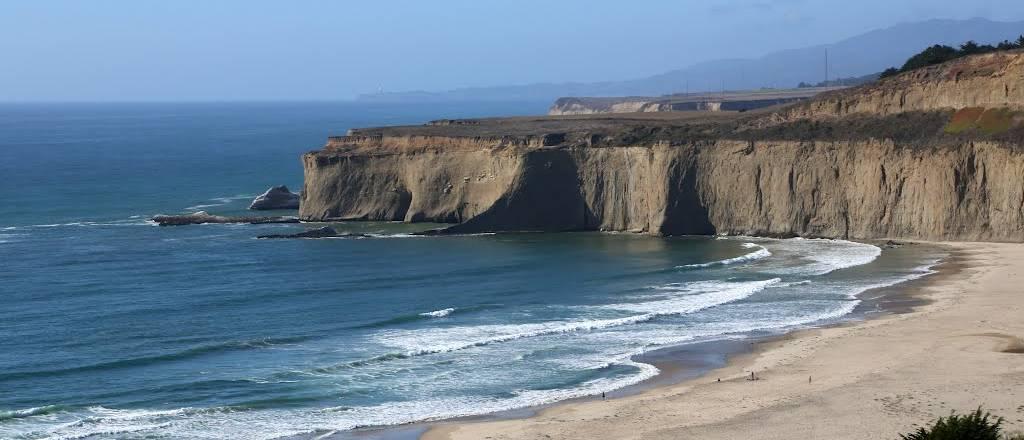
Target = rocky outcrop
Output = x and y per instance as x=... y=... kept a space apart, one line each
x=202 y=217
x=324 y=232
x=277 y=197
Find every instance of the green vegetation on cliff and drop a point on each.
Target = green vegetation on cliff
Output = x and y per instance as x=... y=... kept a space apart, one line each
x=939 y=54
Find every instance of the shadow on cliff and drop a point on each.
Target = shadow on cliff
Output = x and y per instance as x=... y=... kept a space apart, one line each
x=685 y=212
x=545 y=197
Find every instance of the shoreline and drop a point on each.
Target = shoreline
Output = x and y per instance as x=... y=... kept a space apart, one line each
x=691 y=361
x=704 y=408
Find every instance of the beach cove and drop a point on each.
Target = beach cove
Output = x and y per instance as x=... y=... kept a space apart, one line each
x=873 y=379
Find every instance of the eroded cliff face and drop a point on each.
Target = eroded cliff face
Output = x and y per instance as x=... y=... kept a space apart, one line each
x=866 y=190
x=856 y=190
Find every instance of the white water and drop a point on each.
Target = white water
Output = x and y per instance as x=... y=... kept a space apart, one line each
x=760 y=253
x=439 y=313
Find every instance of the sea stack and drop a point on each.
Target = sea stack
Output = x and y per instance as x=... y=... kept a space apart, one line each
x=277 y=197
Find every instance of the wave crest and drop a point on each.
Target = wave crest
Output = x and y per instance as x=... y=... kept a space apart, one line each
x=761 y=252
x=439 y=313
x=708 y=294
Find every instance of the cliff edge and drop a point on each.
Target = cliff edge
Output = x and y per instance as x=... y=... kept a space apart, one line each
x=931 y=154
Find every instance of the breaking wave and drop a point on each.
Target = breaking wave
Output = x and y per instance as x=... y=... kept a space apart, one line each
x=439 y=313
x=760 y=253
x=703 y=295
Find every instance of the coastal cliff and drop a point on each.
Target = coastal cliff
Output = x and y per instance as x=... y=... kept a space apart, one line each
x=862 y=170
x=860 y=189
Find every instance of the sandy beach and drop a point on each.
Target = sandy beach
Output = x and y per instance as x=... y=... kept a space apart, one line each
x=869 y=380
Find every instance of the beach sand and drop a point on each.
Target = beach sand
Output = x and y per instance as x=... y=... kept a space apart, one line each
x=868 y=380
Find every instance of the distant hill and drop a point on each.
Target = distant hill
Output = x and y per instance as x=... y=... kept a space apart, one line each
x=864 y=54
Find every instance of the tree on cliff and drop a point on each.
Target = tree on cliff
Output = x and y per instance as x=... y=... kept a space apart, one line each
x=892 y=71
x=936 y=54
x=972 y=48
x=1006 y=45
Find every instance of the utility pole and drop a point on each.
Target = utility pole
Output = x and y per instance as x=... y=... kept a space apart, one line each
x=826 y=67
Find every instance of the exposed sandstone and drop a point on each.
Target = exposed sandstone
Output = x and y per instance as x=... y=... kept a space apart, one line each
x=994 y=80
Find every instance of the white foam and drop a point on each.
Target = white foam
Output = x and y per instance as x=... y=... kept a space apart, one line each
x=220 y=201
x=126 y=222
x=760 y=253
x=442 y=340
x=27 y=412
x=696 y=296
x=203 y=206
x=399 y=235
x=439 y=313
x=224 y=423
x=824 y=256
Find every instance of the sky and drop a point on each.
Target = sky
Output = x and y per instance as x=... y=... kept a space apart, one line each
x=227 y=50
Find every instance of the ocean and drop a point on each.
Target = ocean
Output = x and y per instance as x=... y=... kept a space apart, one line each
x=111 y=327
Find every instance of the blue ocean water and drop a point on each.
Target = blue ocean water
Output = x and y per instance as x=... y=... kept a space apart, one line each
x=111 y=327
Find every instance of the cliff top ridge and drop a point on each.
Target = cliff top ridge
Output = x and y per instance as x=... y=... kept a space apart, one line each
x=976 y=97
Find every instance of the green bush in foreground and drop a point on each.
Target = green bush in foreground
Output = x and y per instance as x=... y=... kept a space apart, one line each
x=977 y=425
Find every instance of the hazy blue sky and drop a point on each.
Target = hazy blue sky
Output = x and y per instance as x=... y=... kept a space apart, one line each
x=247 y=49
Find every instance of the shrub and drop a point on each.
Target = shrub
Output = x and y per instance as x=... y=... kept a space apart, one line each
x=987 y=121
x=964 y=119
x=977 y=425
x=892 y=71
